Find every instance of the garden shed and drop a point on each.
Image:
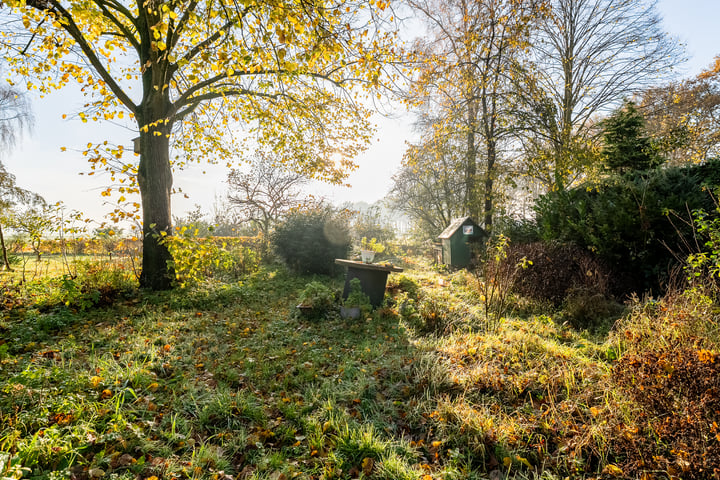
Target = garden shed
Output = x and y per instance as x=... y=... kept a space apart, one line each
x=456 y=239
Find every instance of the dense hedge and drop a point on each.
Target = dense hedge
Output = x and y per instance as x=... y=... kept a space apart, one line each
x=310 y=240
x=638 y=223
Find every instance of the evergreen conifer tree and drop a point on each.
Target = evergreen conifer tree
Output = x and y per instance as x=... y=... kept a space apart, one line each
x=627 y=147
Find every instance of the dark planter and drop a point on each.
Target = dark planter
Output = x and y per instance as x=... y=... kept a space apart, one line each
x=373 y=278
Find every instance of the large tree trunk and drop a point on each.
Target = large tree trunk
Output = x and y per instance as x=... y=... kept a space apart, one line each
x=562 y=154
x=4 y=251
x=155 y=182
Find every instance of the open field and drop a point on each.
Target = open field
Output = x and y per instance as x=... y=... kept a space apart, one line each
x=227 y=381
x=26 y=265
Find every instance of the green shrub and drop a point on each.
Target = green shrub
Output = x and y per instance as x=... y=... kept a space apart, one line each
x=94 y=284
x=316 y=300
x=197 y=259
x=628 y=221
x=310 y=240
x=518 y=230
x=703 y=264
x=107 y=279
x=403 y=283
x=626 y=145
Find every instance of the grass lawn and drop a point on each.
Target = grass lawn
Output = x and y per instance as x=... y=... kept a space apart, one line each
x=228 y=381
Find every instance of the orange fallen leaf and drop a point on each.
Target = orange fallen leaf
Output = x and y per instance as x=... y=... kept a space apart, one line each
x=367 y=465
x=613 y=470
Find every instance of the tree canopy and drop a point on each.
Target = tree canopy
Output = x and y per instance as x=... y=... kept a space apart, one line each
x=685 y=116
x=430 y=185
x=265 y=194
x=464 y=69
x=10 y=195
x=510 y=94
x=15 y=116
x=587 y=55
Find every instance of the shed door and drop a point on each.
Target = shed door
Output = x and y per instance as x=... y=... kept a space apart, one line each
x=460 y=251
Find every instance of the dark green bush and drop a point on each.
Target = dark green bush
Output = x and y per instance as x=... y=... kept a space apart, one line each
x=310 y=240
x=638 y=223
x=518 y=230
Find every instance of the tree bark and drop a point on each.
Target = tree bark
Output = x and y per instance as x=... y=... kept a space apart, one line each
x=489 y=185
x=155 y=182
x=4 y=251
x=471 y=202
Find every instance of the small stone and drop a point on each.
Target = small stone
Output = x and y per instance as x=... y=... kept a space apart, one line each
x=96 y=472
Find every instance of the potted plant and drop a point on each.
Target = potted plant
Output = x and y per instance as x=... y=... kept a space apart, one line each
x=315 y=300
x=368 y=249
x=357 y=301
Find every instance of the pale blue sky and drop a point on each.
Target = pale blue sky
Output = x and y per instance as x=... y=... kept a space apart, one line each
x=40 y=165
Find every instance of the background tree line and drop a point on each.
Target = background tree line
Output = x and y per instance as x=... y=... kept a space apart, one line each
x=511 y=96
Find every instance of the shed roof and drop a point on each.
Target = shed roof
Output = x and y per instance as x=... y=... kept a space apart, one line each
x=454 y=225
